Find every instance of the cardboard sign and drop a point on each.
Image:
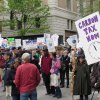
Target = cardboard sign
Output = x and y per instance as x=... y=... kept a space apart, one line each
x=89 y=36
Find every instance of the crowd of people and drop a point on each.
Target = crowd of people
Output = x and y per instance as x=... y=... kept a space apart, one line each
x=22 y=71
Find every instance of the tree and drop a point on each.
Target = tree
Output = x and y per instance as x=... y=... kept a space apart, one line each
x=89 y=6
x=29 y=16
x=2 y=6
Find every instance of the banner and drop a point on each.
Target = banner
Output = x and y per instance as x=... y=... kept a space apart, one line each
x=89 y=36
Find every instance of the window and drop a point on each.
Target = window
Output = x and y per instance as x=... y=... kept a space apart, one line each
x=60 y=40
x=68 y=24
x=37 y=22
x=69 y=4
x=12 y=26
x=71 y=24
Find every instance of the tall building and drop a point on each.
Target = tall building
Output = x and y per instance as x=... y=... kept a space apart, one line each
x=62 y=19
x=64 y=13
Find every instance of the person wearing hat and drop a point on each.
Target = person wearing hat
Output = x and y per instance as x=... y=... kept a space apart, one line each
x=82 y=84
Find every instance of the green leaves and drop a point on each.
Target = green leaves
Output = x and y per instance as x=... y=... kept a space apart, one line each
x=32 y=14
x=89 y=7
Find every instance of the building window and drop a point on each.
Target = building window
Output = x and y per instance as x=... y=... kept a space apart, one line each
x=68 y=24
x=37 y=22
x=69 y=4
x=60 y=40
x=72 y=24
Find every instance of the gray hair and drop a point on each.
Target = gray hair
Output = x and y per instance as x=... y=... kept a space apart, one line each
x=26 y=57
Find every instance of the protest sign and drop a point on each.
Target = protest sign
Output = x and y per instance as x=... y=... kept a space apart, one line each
x=55 y=38
x=29 y=44
x=72 y=40
x=46 y=37
x=89 y=36
x=40 y=40
x=18 y=42
x=50 y=45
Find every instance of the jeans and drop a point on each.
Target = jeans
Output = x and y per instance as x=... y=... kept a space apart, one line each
x=17 y=97
x=29 y=95
x=62 y=75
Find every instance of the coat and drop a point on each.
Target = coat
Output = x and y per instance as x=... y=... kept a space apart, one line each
x=65 y=60
x=82 y=84
x=10 y=79
x=46 y=63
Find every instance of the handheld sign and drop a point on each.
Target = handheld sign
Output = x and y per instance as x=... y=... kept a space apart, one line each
x=89 y=36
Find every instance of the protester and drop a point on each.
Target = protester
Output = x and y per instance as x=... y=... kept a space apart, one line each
x=82 y=84
x=10 y=80
x=94 y=74
x=46 y=63
x=55 y=75
x=65 y=60
x=35 y=59
x=2 y=62
x=7 y=67
x=14 y=52
x=27 y=79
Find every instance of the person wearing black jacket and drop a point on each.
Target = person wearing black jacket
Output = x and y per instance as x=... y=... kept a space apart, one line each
x=65 y=60
x=10 y=80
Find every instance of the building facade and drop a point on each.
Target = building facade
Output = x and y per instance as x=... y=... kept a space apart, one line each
x=62 y=19
x=64 y=13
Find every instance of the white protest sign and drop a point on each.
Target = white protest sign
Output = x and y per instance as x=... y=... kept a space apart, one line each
x=72 y=40
x=29 y=44
x=40 y=40
x=46 y=37
x=79 y=45
x=55 y=37
x=50 y=45
x=1 y=40
x=89 y=36
x=18 y=42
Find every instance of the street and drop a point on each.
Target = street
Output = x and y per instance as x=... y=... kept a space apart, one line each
x=41 y=94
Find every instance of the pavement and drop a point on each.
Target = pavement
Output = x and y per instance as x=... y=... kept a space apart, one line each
x=41 y=94
x=66 y=95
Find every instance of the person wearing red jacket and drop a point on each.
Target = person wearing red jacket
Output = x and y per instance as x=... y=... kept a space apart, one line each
x=46 y=63
x=2 y=62
x=27 y=78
